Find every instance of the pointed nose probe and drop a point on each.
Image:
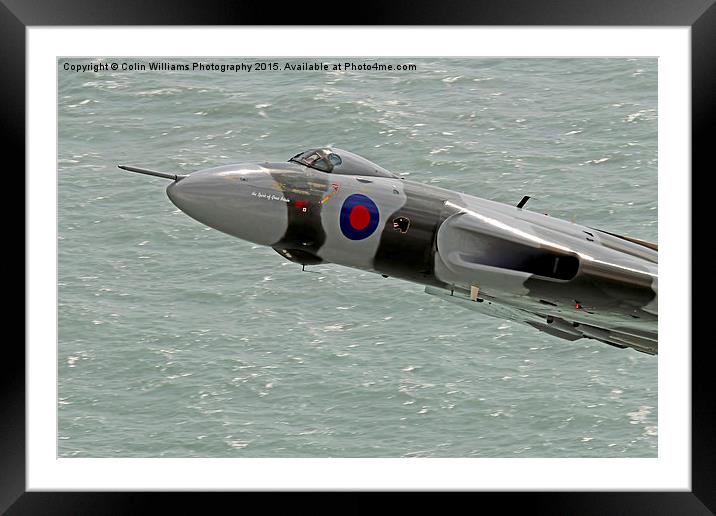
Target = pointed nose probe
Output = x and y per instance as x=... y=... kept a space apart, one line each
x=174 y=177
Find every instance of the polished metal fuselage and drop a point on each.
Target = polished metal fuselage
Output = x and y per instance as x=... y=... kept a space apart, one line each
x=564 y=278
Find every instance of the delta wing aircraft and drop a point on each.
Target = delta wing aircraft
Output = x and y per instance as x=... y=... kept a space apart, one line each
x=327 y=205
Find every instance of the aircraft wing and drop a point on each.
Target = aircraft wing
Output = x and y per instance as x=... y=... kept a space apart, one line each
x=565 y=279
x=643 y=340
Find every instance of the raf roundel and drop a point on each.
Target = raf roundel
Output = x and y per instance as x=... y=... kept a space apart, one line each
x=359 y=217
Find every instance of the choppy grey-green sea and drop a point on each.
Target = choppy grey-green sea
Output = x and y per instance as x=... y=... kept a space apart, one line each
x=176 y=340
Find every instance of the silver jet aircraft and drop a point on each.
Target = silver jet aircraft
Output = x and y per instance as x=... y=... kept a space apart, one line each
x=327 y=205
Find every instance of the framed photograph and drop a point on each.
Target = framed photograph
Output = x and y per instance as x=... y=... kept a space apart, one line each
x=162 y=354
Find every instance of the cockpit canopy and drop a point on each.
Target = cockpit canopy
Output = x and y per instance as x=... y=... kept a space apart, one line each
x=337 y=161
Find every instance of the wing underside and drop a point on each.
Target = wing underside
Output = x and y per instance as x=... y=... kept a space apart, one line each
x=643 y=340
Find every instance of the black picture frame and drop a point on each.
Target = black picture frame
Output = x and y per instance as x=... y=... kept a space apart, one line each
x=699 y=15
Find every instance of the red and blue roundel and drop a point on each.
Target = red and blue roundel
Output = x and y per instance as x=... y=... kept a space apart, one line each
x=359 y=217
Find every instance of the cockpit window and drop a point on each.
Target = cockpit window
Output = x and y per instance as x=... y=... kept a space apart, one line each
x=315 y=159
x=337 y=161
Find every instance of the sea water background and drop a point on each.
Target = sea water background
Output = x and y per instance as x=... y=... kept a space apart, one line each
x=176 y=340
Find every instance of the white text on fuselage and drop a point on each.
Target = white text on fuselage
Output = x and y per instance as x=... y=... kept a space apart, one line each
x=269 y=196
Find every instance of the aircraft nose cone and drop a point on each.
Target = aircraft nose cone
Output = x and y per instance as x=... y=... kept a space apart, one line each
x=226 y=199
x=196 y=195
x=171 y=191
x=182 y=193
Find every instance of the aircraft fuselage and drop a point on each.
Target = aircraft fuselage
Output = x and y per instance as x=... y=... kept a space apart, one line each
x=564 y=278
